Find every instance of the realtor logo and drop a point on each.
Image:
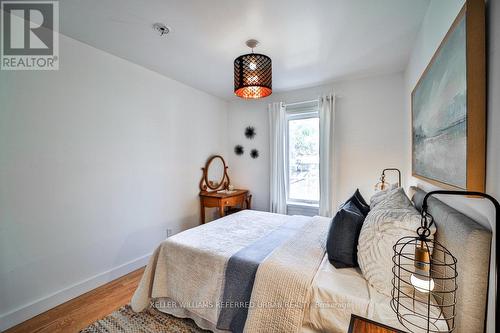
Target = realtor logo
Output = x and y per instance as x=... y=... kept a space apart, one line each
x=29 y=31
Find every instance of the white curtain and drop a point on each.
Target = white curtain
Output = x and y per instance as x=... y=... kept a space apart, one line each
x=277 y=133
x=326 y=154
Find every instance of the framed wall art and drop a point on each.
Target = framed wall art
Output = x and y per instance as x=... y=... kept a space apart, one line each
x=449 y=107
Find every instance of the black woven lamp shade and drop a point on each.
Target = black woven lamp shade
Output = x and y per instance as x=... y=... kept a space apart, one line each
x=253 y=76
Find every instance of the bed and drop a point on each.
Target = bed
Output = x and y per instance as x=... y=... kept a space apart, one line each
x=262 y=272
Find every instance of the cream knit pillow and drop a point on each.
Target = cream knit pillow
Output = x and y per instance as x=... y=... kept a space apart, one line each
x=381 y=195
x=393 y=218
x=394 y=199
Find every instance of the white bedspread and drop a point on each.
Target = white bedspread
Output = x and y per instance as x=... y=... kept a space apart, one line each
x=189 y=267
x=336 y=293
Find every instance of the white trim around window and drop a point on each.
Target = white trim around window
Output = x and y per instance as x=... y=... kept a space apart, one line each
x=298 y=111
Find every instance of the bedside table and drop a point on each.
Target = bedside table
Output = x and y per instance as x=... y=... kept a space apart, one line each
x=363 y=325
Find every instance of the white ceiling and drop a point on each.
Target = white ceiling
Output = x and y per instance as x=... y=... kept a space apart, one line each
x=310 y=42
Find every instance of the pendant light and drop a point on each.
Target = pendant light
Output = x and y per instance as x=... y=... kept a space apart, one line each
x=424 y=282
x=252 y=74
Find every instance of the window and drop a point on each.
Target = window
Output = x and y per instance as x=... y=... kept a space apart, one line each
x=303 y=155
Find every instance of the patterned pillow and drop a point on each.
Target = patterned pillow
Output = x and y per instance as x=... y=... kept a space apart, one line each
x=394 y=199
x=381 y=195
x=393 y=218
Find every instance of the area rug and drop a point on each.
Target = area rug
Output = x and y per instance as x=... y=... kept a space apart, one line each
x=124 y=320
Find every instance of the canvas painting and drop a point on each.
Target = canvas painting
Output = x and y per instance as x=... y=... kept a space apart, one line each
x=439 y=111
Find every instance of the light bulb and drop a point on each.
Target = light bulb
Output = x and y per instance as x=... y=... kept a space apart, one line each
x=422 y=284
x=421 y=279
x=252 y=66
x=252 y=79
x=381 y=186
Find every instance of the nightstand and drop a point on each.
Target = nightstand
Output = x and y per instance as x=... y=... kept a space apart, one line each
x=363 y=325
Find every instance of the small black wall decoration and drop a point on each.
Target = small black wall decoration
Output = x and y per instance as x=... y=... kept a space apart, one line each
x=254 y=153
x=239 y=150
x=250 y=132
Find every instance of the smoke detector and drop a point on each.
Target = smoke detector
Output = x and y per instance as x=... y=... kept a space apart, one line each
x=162 y=29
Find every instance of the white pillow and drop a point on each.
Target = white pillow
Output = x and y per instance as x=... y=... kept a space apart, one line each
x=381 y=195
x=393 y=218
x=395 y=198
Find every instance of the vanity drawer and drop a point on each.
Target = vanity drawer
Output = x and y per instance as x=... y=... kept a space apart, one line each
x=211 y=202
x=233 y=201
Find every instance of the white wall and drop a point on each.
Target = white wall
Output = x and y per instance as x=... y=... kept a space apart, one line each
x=438 y=19
x=97 y=160
x=245 y=172
x=369 y=135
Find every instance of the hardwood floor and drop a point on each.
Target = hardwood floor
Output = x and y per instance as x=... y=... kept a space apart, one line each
x=79 y=312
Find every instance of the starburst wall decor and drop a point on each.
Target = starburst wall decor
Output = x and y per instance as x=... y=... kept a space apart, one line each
x=239 y=150
x=250 y=132
x=254 y=153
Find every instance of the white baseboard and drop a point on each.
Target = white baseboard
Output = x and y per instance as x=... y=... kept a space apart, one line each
x=30 y=310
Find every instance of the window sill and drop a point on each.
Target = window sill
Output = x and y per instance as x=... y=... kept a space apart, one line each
x=305 y=209
x=302 y=204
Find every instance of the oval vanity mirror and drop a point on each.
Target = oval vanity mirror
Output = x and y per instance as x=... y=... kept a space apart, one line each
x=215 y=173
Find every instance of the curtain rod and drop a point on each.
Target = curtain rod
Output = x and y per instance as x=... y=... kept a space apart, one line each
x=309 y=101
x=302 y=102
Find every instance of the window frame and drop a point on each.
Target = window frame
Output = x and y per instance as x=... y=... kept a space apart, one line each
x=297 y=113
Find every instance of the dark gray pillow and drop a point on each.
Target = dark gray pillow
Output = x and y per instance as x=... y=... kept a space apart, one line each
x=360 y=202
x=342 y=242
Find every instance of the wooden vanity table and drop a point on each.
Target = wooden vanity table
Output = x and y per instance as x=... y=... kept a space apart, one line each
x=214 y=190
x=235 y=198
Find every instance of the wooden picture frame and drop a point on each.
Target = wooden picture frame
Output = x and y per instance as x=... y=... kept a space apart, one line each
x=473 y=16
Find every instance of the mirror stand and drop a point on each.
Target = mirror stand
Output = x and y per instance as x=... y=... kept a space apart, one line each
x=210 y=185
x=216 y=190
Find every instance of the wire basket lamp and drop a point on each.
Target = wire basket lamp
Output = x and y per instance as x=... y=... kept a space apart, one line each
x=382 y=184
x=424 y=282
x=424 y=276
